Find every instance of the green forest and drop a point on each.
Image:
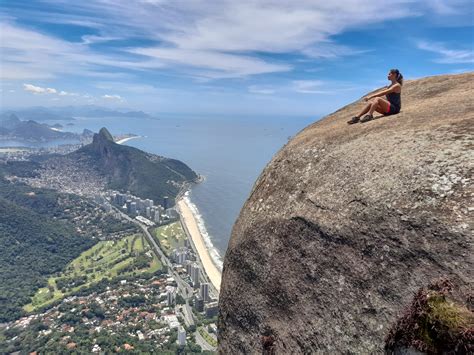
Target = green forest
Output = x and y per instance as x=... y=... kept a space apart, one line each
x=35 y=243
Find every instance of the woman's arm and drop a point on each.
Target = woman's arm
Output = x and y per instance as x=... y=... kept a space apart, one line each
x=383 y=92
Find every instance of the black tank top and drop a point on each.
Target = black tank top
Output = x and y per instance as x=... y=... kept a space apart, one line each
x=395 y=99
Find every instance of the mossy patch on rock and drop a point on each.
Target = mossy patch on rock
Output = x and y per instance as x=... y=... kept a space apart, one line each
x=434 y=323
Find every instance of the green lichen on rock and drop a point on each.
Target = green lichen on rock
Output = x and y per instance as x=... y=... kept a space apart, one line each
x=434 y=323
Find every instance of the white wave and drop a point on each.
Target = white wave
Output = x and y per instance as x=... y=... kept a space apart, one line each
x=213 y=252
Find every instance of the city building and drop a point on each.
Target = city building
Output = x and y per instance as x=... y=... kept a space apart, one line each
x=181 y=336
x=157 y=217
x=204 y=291
x=199 y=303
x=172 y=320
x=170 y=297
x=180 y=255
x=189 y=266
x=211 y=309
x=149 y=203
x=195 y=271
x=172 y=213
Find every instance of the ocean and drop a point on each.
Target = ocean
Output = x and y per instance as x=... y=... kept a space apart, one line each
x=229 y=152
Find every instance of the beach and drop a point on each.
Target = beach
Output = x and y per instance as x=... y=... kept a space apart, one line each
x=187 y=217
x=121 y=141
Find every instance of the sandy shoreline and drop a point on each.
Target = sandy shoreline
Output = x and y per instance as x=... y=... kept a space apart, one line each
x=121 y=141
x=191 y=224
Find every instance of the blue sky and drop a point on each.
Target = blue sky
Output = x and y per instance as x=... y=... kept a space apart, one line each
x=249 y=57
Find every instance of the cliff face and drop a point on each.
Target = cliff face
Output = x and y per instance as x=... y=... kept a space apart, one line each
x=347 y=222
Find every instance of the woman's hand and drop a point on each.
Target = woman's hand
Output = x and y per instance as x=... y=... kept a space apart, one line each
x=367 y=98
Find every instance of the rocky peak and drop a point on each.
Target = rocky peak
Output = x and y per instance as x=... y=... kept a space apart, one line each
x=13 y=118
x=347 y=222
x=9 y=121
x=102 y=137
x=87 y=132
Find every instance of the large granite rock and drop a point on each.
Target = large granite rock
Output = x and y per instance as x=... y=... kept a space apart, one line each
x=347 y=222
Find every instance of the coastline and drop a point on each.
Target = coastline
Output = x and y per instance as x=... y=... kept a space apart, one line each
x=189 y=218
x=123 y=140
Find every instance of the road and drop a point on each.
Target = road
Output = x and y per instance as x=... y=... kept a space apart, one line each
x=203 y=343
x=184 y=288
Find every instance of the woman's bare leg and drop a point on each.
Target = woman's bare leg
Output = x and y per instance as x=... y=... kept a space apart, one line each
x=365 y=110
x=380 y=105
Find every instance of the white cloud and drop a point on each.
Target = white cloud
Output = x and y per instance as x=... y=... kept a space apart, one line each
x=91 y=39
x=213 y=64
x=37 y=89
x=112 y=97
x=201 y=39
x=28 y=54
x=221 y=40
x=204 y=40
x=449 y=7
x=65 y=93
x=329 y=50
x=447 y=55
x=61 y=94
x=41 y=90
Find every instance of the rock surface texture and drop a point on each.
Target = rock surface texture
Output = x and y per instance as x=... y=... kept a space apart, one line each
x=347 y=222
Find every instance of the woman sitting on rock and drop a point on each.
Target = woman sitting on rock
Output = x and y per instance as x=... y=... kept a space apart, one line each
x=390 y=105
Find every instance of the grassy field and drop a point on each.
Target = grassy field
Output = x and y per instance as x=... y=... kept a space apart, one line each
x=128 y=256
x=170 y=236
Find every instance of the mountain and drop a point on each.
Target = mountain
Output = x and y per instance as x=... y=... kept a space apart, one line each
x=9 y=121
x=130 y=169
x=32 y=130
x=40 y=114
x=66 y=113
x=347 y=222
x=99 y=112
x=87 y=133
x=12 y=127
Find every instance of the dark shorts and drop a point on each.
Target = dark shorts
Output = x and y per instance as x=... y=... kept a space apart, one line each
x=392 y=110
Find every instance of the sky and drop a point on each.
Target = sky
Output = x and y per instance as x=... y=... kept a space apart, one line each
x=226 y=57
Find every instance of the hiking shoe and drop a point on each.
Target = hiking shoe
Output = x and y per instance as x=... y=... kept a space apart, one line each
x=353 y=120
x=366 y=118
